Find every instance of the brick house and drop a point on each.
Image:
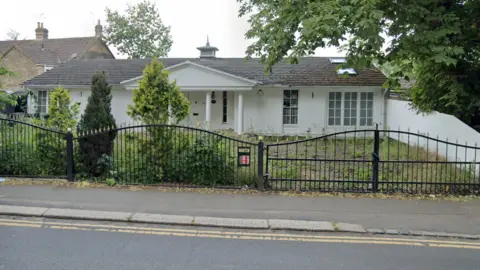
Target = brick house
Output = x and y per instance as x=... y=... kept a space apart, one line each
x=30 y=58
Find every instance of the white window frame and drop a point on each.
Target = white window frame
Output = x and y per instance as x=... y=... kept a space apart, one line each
x=38 y=102
x=290 y=107
x=358 y=112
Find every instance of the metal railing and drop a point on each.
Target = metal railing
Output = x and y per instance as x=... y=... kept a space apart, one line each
x=368 y=160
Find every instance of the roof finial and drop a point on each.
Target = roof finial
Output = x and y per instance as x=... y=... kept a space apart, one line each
x=208 y=41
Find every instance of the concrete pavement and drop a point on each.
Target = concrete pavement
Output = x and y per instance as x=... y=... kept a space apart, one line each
x=374 y=215
x=44 y=245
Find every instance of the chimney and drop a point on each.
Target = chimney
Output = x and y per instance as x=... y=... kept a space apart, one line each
x=40 y=32
x=98 y=30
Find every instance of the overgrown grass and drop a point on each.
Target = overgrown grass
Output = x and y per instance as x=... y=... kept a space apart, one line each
x=345 y=164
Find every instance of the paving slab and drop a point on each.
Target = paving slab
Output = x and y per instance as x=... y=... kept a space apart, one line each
x=231 y=222
x=87 y=214
x=303 y=225
x=22 y=210
x=348 y=227
x=162 y=219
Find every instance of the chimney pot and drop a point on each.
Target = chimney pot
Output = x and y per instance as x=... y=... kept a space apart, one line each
x=98 y=30
x=40 y=32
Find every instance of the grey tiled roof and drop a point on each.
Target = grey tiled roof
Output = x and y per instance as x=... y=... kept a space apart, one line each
x=309 y=72
x=53 y=52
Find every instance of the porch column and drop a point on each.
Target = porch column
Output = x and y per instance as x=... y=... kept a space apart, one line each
x=208 y=107
x=240 y=114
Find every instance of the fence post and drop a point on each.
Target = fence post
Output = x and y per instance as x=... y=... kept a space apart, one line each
x=260 y=176
x=69 y=138
x=375 y=158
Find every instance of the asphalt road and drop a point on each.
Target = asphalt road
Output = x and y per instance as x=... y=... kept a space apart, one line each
x=28 y=246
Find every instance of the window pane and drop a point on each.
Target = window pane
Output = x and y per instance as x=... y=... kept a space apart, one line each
x=337 y=121
x=353 y=120
x=285 y=120
x=294 y=120
x=294 y=111
x=370 y=96
x=353 y=113
x=338 y=103
x=331 y=104
x=338 y=95
x=331 y=95
x=346 y=121
x=363 y=96
x=369 y=113
x=362 y=121
x=363 y=113
x=337 y=113
x=363 y=104
x=370 y=122
x=294 y=94
x=331 y=113
x=294 y=102
x=354 y=95
x=346 y=113
x=286 y=94
x=331 y=121
x=286 y=111
x=347 y=96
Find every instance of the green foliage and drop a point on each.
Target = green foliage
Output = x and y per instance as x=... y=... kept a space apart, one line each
x=203 y=161
x=97 y=116
x=110 y=182
x=156 y=100
x=140 y=33
x=6 y=99
x=98 y=112
x=50 y=148
x=61 y=114
x=433 y=42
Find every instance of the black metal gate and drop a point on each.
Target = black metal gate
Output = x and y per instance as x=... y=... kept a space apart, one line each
x=373 y=161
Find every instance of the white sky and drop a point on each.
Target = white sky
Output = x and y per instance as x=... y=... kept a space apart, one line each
x=190 y=21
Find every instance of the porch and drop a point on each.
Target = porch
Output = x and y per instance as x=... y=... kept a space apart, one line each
x=216 y=97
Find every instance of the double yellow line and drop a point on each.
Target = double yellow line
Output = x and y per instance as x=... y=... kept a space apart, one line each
x=242 y=235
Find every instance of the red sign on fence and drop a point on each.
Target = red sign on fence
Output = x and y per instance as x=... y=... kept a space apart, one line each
x=243 y=156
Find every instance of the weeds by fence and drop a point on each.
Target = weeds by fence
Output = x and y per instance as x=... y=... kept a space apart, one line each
x=352 y=161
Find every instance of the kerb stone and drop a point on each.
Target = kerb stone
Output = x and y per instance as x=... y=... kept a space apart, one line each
x=301 y=225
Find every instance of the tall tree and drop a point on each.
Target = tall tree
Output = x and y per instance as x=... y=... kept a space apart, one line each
x=98 y=112
x=12 y=34
x=97 y=143
x=140 y=33
x=157 y=99
x=434 y=42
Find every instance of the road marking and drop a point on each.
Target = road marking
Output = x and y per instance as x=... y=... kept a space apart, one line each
x=228 y=234
x=241 y=235
x=20 y=224
x=455 y=246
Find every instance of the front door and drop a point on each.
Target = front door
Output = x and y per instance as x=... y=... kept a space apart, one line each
x=197 y=108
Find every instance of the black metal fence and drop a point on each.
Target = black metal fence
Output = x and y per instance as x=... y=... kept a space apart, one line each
x=30 y=151
x=374 y=161
x=167 y=155
x=351 y=161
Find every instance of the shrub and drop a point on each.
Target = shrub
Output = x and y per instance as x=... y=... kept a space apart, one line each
x=97 y=116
